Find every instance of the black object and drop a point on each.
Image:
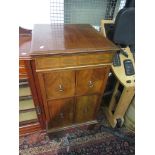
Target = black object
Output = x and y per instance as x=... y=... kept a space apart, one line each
x=130 y=3
x=116 y=60
x=129 y=69
x=123 y=31
x=109 y=30
x=132 y=48
x=119 y=123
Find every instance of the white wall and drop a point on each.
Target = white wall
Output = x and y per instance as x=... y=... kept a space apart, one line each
x=33 y=12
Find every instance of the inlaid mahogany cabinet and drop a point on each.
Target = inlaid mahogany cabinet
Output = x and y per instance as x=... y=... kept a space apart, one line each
x=70 y=64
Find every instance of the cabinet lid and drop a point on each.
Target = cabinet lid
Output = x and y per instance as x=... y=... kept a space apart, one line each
x=68 y=38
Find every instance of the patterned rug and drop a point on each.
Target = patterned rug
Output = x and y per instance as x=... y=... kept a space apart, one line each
x=102 y=140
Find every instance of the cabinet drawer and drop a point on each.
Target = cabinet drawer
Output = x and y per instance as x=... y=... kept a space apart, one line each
x=55 y=62
x=90 y=81
x=85 y=108
x=59 y=84
x=22 y=70
x=61 y=112
x=73 y=60
x=96 y=58
x=21 y=76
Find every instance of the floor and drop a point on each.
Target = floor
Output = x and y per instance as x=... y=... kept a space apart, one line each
x=101 y=140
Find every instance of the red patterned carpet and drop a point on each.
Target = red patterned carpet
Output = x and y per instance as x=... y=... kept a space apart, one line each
x=103 y=140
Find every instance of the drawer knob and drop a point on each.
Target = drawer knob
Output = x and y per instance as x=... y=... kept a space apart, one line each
x=61 y=88
x=90 y=84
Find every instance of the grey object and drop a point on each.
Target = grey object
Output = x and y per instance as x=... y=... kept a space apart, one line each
x=124 y=30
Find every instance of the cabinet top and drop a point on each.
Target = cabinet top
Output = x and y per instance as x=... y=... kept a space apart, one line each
x=68 y=38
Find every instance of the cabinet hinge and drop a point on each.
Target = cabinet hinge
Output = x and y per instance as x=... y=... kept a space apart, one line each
x=38 y=110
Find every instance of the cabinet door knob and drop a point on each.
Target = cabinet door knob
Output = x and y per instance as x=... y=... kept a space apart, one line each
x=61 y=88
x=90 y=84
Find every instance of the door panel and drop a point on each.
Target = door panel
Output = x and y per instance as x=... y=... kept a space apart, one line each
x=59 y=84
x=90 y=81
x=85 y=108
x=61 y=112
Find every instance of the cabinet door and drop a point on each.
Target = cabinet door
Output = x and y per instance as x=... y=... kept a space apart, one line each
x=61 y=112
x=59 y=84
x=85 y=108
x=89 y=81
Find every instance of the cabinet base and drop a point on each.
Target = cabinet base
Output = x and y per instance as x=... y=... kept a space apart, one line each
x=60 y=131
x=29 y=129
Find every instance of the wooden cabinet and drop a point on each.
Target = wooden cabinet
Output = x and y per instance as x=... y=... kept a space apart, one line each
x=72 y=96
x=71 y=73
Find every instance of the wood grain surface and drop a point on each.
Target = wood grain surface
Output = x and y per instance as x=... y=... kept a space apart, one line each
x=89 y=81
x=59 y=84
x=85 y=108
x=67 y=38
